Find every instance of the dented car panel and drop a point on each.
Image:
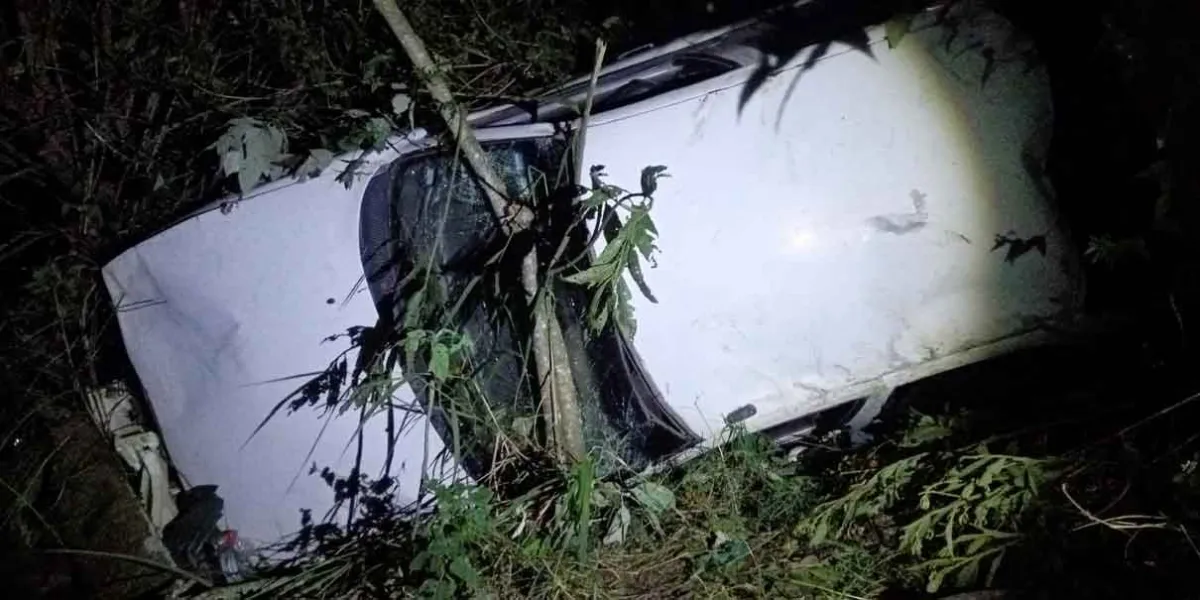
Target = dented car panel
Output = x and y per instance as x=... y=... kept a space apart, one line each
x=864 y=219
x=227 y=313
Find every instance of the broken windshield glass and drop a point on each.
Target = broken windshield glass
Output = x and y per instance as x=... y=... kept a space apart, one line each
x=427 y=223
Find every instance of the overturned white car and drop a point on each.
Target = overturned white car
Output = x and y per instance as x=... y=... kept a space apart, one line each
x=862 y=218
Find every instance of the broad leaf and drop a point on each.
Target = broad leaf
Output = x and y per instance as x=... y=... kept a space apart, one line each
x=461 y=568
x=439 y=361
x=400 y=103
x=593 y=276
x=654 y=497
x=729 y=551
x=318 y=160
x=251 y=150
x=412 y=344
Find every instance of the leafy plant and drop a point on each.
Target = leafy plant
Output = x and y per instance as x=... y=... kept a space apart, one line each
x=624 y=242
x=968 y=509
x=973 y=513
x=880 y=492
x=463 y=523
x=251 y=150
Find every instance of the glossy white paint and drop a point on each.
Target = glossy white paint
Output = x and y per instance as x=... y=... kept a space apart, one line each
x=810 y=250
x=832 y=249
x=217 y=310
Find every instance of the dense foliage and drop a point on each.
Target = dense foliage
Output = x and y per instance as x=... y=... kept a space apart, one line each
x=112 y=116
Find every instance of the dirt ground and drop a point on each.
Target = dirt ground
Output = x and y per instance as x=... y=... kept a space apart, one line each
x=67 y=489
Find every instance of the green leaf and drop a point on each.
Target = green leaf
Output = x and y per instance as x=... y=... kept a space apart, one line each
x=601 y=318
x=967 y=574
x=377 y=131
x=605 y=494
x=461 y=568
x=654 y=497
x=585 y=484
x=623 y=311
x=926 y=430
x=611 y=255
x=250 y=149
x=413 y=309
x=412 y=343
x=231 y=161
x=597 y=198
x=635 y=273
x=617 y=527
x=318 y=160
x=896 y=28
x=997 y=467
x=419 y=561
x=991 y=574
x=730 y=552
x=935 y=580
x=647 y=222
x=977 y=543
x=650 y=177
x=439 y=361
x=820 y=532
x=400 y=103
x=640 y=232
x=593 y=276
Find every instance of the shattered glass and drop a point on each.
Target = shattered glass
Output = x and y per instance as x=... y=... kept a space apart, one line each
x=426 y=212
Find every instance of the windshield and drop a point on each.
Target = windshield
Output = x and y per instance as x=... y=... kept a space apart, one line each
x=426 y=214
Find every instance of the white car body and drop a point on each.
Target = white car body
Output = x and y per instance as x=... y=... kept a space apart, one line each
x=822 y=245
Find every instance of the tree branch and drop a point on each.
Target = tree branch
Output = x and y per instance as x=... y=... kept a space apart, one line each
x=559 y=400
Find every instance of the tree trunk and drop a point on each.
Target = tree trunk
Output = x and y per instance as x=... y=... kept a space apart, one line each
x=559 y=401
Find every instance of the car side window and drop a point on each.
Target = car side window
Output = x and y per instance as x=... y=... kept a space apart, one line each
x=684 y=70
x=672 y=74
x=623 y=87
x=425 y=212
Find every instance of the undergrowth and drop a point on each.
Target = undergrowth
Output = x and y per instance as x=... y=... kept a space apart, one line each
x=108 y=114
x=925 y=508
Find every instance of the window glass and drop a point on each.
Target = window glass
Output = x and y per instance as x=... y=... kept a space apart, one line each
x=624 y=87
x=684 y=71
x=426 y=212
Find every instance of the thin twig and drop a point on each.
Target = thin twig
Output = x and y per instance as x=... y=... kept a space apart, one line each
x=581 y=137
x=135 y=559
x=1122 y=523
x=580 y=142
x=514 y=217
x=20 y=499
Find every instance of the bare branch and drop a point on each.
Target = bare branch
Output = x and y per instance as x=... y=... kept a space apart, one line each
x=559 y=400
